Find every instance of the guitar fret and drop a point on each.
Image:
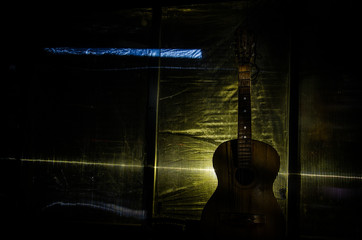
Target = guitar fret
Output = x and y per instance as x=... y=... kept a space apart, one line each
x=245 y=156
x=244 y=90
x=243 y=164
x=244 y=83
x=244 y=159
x=244 y=135
x=246 y=150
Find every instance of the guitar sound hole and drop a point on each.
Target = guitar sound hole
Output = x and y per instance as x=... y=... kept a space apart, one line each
x=245 y=176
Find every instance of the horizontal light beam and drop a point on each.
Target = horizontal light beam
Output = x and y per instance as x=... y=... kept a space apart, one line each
x=138 y=52
x=81 y=163
x=112 y=164
x=323 y=175
x=107 y=207
x=175 y=168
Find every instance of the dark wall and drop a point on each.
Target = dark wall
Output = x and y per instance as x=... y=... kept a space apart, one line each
x=81 y=108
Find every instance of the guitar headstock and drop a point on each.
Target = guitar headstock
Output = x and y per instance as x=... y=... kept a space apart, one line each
x=244 y=46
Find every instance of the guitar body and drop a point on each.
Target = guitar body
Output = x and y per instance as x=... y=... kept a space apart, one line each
x=243 y=204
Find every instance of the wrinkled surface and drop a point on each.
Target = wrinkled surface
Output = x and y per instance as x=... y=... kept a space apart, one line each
x=198 y=106
x=73 y=125
x=163 y=53
x=74 y=138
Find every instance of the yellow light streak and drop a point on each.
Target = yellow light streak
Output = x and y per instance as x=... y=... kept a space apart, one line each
x=81 y=163
x=178 y=168
x=188 y=169
x=113 y=164
x=323 y=175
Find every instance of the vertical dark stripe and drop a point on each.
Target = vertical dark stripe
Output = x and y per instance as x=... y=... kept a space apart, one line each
x=294 y=166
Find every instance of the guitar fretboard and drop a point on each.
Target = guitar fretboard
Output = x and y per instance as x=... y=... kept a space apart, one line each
x=244 y=116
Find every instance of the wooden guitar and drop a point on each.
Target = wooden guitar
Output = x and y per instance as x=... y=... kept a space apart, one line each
x=243 y=205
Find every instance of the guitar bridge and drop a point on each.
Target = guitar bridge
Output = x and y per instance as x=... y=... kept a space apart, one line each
x=242 y=219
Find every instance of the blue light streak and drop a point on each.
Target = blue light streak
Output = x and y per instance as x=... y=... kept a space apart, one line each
x=107 y=207
x=139 y=52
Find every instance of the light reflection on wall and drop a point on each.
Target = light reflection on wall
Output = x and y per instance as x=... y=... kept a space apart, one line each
x=206 y=169
x=107 y=207
x=138 y=52
x=114 y=165
x=326 y=176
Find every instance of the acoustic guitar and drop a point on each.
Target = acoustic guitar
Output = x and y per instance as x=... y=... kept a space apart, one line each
x=243 y=205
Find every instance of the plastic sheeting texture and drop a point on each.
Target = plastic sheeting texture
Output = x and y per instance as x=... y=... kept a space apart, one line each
x=198 y=106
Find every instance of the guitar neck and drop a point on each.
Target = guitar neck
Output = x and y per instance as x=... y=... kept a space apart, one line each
x=244 y=116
